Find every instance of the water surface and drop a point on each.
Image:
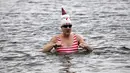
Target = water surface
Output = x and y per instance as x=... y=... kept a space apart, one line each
x=26 y=25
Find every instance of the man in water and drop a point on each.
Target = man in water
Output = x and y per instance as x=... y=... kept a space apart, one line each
x=66 y=42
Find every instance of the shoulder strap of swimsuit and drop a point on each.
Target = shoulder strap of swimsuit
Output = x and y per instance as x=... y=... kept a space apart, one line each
x=58 y=38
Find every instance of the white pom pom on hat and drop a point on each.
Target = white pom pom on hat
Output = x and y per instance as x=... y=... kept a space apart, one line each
x=65 y=18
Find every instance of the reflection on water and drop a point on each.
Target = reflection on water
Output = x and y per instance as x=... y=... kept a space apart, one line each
x=66 y=63
x=26 y=25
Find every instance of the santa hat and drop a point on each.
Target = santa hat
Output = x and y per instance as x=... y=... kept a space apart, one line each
x=65 y=18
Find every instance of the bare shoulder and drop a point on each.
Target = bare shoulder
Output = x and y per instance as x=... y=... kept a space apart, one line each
x=54 y=38
x=80 y=36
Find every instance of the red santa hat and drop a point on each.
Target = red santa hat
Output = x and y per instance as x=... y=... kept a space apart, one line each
x=65 y=18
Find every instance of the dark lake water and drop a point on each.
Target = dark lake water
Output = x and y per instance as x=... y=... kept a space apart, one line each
x=26 y=25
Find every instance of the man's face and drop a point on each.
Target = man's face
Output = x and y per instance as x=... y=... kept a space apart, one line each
x=66 y=29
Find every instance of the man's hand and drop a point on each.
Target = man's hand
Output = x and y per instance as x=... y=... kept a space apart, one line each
x=57 y=45
x=82 y=45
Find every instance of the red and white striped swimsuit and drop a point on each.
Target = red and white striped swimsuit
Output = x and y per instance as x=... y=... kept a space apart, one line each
x=72 y=49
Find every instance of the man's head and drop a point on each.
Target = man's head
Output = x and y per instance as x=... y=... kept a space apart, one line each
x=65 y=23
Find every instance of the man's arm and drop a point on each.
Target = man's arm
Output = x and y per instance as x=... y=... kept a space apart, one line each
x=83 y=44
x=47 y=47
